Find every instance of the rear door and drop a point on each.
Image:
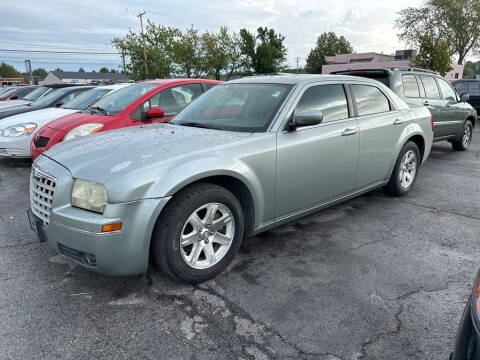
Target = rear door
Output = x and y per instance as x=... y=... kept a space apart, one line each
x=317 y=163
x=381 y=125
x=454 y=112
x=435 y=104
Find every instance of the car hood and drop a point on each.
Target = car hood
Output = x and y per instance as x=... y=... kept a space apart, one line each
x=101 y=156
x=67 y=123
x=18 y=109
x=39 y=117
x=8 y=103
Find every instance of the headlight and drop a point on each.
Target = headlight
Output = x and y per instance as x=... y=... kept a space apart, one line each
x=20 y=130
x=89 y=195
x=83 y=130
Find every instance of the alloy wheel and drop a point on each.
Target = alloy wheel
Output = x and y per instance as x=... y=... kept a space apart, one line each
x=207 y=235
x=408 y=169
x=467 y=135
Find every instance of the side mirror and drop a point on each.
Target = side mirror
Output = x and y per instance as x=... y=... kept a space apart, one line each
x=155 y=113
x=464 y=97
x=307 y=117
x=58 y=104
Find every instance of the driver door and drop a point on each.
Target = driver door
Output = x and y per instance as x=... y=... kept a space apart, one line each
x=317 y=163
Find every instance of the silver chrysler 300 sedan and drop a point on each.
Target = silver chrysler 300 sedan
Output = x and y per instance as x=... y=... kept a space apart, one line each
x=247 y=156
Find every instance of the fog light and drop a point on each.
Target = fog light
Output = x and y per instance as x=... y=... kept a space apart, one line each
x=112 y=227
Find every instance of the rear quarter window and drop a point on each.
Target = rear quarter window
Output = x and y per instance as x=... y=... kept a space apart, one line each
x=370 y=100
x=410 y=86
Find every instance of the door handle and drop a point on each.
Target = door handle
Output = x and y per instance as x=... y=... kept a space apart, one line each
x=426 y=103
x=349 y=131
x=398 y=122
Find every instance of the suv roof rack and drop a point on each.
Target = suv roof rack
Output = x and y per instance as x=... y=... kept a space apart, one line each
x=414 y=69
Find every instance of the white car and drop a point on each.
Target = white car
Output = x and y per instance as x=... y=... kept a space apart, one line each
x=29 y=98
x=17 y=131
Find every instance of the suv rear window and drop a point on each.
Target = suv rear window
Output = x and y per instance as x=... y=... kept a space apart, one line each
x=431 y=88
x=410 y=86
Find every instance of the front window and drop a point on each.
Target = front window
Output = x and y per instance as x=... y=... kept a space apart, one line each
x=85 y=99
x=235 y=107
x=447 y=91
x=35 y=94
x=117 y=101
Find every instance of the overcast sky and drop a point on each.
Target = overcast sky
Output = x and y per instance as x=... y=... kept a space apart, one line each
x=89 y=25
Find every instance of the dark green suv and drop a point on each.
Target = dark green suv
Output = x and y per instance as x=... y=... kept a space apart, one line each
x=453 y=118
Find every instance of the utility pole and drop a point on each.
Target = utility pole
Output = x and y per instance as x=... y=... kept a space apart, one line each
x=143 y=41
x=123 y=59
x=297 y=59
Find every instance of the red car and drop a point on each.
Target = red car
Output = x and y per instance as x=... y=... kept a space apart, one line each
x=140 y=103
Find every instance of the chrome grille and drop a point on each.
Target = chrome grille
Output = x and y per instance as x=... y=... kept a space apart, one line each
x=42 y=189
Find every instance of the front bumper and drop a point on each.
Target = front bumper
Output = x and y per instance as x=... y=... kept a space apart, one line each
x=77 y=233
x=15 y=146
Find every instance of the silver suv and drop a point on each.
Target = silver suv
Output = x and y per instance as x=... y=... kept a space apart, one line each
x=248 y=155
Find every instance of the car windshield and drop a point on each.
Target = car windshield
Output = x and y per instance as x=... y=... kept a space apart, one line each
x=117 y=101
x=9 y=92
x=85 y=99
x=51 y=97
x=235 y=107
x=35 y=94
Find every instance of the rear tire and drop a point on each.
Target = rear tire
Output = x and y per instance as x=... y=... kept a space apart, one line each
x=198 y=233
x=463 y=143
x=405 y=172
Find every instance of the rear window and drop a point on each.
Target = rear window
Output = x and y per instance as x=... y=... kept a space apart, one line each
x=370 y=100
x=431 y=88
x=410 y=86
x=474 y=86
x=379 y=75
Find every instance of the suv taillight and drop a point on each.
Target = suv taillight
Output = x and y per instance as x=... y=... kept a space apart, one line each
x=433 y=125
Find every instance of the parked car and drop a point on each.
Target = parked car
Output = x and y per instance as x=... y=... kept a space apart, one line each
x=247 y=156
x=17 y=131
x=16 y=93
x=34 y=95
x=54 y=98
x=467 y=341
x=470 y=87
x=454 y=119
x=138 y=104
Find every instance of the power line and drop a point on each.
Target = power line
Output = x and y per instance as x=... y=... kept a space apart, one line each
x=58 y=52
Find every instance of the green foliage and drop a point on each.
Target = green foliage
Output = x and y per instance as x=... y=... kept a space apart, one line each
x=188 y=54
x=40 y=72
x=7 y=71
x=471 y=70
x=433 y=56
x=104 y=70
x=264 y=52
x=328 y=44
x=81 y=69
x=456 y=22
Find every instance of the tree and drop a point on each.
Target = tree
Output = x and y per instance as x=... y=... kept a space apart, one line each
x=471 y=70
x=159 y=41
x=7 y=71
x=433 y=56
x=60 y=70
x=113 y=71
x=188 y=54
x=328 y=44
x=81 y=69
x=264 y=52
x=40 y=72
x=456 y=22
x=104 y=70
x=222 y=53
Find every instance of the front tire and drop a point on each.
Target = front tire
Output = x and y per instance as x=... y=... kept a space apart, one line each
x=198 y=233
x=465 y=140
x=405 y=172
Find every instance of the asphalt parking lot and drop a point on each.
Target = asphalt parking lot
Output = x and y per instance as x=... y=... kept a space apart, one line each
x=372 y=278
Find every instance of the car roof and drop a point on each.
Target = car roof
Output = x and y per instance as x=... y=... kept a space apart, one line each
x=295 y=79
x=114 y=86
x=171 y=80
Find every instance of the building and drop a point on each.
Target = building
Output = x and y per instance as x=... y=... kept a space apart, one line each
x=373 y=60
x=11 y=81
x=73 y=77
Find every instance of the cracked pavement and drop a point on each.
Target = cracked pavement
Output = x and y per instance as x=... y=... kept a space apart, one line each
x=372 y=278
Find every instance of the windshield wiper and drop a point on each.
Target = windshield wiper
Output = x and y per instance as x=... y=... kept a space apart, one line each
x=196 y=124
x=98 y=108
